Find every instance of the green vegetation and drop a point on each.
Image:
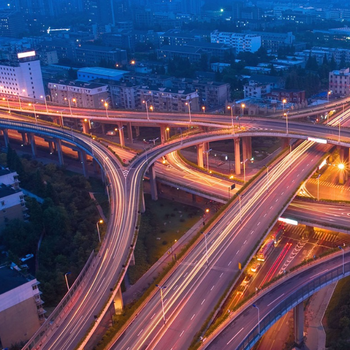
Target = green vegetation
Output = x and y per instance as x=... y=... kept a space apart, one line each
x=338 y=317
x=65 y=224
x=163 y=222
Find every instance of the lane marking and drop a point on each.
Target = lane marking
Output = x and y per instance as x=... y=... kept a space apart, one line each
x=275 y=299
x=152 y=316
x=229 y=263
x=221 y=274
x=193 y=317
x=235 y=336
x=258 y=223
x=181 y=333
x=237 y=251
x=212 y=288
x=203 y=302
x=140 y=332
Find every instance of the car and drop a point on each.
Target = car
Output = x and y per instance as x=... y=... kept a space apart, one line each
x=27 y=257
x=111 y=133
x=255 y=267
x=246 y=280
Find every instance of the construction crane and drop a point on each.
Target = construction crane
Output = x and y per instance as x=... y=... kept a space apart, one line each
x=57 y=30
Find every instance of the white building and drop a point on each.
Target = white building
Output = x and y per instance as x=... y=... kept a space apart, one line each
x=339 y=82
x=256 y=90
x=22 y=77
x=240 y=42
x=21 y=311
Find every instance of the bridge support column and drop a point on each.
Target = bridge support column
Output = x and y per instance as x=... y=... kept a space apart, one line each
x=103 y=129
x=164 y=133
x=32 y=143
x=59 y=151
x=298 y=312
x=137 y=129
x=153 y=182
x=83 y=160
x=6 y=137
x=286 y=142
x=118 y=303
x=130 y=132
x=50 y=146
x=237 y=157
x=245 y=147
x=86 y=126
x=250 y=150
x=24 y=138
x=121 y=134
x=200 y=148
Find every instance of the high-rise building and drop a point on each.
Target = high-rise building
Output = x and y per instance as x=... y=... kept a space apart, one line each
x=22 y=76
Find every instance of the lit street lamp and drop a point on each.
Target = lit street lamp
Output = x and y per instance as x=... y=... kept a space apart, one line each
x=154 y=141
x=8 y=103
x=146 y=103
x=66 y=278
x=286 y=116
x=244 y=169
x=207 y=152
x=70 y=107
x=318 y=187
x=98 y=229
x=161 y=298
x=258 y=317
x=328 y=94
x=44 y=97
x=233 y=127
x=267 y=178
x=29 y=104
x=106 y=105
x=340 y=120
x=284 y=101
x=188 y=104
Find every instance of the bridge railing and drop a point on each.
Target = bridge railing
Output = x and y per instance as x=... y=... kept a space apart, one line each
x=44 y=330
x=293 y=300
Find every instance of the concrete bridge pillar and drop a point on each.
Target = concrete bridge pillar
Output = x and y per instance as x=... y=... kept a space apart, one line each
x=32 y=143
x=50 y=146
x=103 y=129
x=245 y=146
x=298 y=312
x=250 y=150
x=137 y=130
x=285 y=142
x=129 y=125
x=24 y=138
x=200 y=148
x=6 y=137
x=83 y=160
x=86 y=126
x=58 y=144
x=121 y=134
x=153 y=182
x=164 y=133
x=118 y=302
x=237 y=156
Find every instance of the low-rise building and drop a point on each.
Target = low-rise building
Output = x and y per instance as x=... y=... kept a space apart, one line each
x=339 y=82
x=88 y=74
x=79 y=94
x=21 y=308
x=290 y=95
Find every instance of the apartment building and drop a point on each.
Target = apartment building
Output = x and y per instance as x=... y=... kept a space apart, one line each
x=339 y=82
x=240 y=42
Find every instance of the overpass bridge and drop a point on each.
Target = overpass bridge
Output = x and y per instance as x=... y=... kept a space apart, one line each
x=244 y=327
x=123 y=227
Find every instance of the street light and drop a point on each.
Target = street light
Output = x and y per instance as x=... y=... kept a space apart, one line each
x=286 y=116
x=203 y=109
x=8 y=103
x=318 y=187
x=106 y=105
x=98 y=229
x=284 y=101
x=146 y=103
x=258 y=317
x=44 y=97
x=19 y=101
x=161 y=298
x=207 y=152
x=328 y=94
x=206 y=247
x=70 y=107
x=154 y=141
x=339 y=128
x=29 y=104
x=267 y=178
x=233 y=127
x=341 y=248
x=188 y=104
x=244 y=169
x=66 y=278
x=242 y=109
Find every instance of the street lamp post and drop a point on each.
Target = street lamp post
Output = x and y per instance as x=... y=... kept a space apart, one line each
x=233 y=127
x=188 y=104
x=286 y=116
x=318 y=187
x=146 y=103
x=161 y=298
x=207 y=152
x=206 y=247
x=341 y=248
x=19 y=101
x=328 y=94
x=267 y=178
x=66 y=278
x=70 y=107
x=244 y=169
x=106 y=105
x=339 y=128
x=242 y=112
x=98 y=229
x=8 y=103
x=258 y=317
x=44 y=97
x=284 y=101
x=29 y=104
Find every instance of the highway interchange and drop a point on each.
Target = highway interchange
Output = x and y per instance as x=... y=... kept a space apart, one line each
x=229 y=241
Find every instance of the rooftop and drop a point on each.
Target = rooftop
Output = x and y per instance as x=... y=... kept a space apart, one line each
x=108 y=72
x=10 y=279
